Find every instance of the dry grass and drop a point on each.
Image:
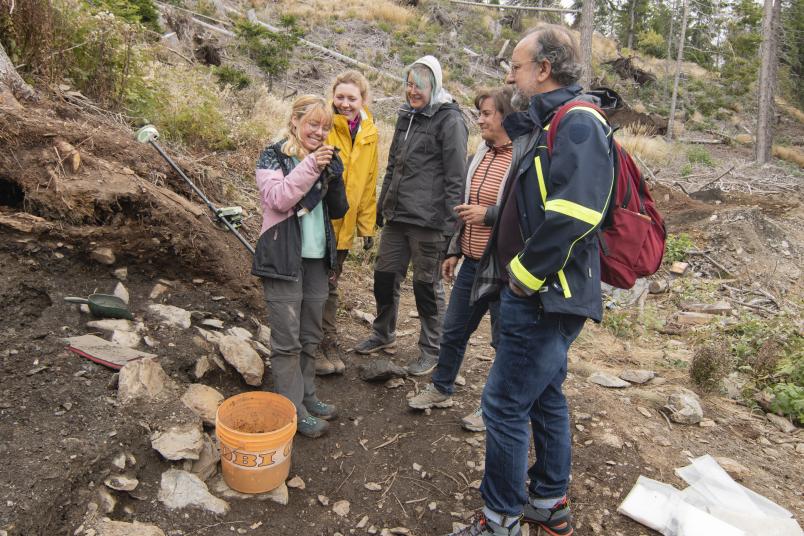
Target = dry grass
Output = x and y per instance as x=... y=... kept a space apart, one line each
x=661 y=67
x=791 y=154
x=368 y=10
x=791 y=110
x=653 y=150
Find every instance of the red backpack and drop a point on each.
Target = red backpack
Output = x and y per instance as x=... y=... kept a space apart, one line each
x=633 y=233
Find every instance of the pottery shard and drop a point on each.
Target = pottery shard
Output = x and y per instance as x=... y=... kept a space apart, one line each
x=143 y=379
x=180 y=442
x=242 y=357
x=204 y=401
x=107 y=527
x=180 y=489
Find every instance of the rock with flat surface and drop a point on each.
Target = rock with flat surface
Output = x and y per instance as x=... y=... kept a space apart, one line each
x=687 y=318
x=129 y=339
x=180 y=489
x=684 y=407
x=380 y=370
x=279 y=495
x=341 y=508
x=157 y=291
x=103 y=256
x=206 y=465
x=240 y=333
x=264 y=335
x=107 y=527
x=114 y=324
x=296 y=483
x=243 y=358
x=179 y=442
x=121 y=482
x=212 y=323
x=121 y=273
x=202 y=365
x=607 y=380
x=121 y=292
x=171 y=315
x=784 y=425
x=204 y=401
x=638 y=376
x=143 y=379
x=737 y=470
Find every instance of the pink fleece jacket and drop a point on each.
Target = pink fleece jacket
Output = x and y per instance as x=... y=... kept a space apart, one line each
x=280 y=193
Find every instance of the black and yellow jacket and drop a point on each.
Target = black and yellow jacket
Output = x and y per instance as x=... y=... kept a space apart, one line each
x=562 y=200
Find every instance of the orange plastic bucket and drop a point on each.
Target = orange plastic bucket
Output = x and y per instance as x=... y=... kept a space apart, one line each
x=256 y=432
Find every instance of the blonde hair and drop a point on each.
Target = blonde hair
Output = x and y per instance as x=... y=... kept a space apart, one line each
x=305 y=108
x=355 y=78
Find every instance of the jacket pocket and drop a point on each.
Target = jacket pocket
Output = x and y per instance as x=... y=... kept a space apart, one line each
x=278 y=251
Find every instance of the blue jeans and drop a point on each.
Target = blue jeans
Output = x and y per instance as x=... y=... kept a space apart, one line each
x=525 y=385
x=460 y=322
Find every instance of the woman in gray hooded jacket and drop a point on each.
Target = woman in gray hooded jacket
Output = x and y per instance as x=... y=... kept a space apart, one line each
x=423 y=184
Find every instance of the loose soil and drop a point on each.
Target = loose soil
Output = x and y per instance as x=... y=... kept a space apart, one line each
x=61 y=425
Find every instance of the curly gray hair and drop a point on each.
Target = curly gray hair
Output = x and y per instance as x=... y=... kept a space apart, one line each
x=557 y=44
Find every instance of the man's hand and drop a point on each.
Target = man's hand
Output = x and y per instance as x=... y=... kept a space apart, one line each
x=471 y=214
x=368 y=243
x=323 y=156
x=516 y=290
x=448 y=268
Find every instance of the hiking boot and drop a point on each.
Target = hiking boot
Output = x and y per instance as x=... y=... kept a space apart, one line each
x=312 y=427
x=555 y=521
x=430 y=397
x=482 y=526
x=332 y=349
x=323 y=366
x=322 y=410
x=422 y=366
x=474 y=421
x=372 y=345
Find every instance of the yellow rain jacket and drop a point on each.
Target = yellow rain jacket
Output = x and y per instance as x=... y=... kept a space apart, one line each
x=360 y=175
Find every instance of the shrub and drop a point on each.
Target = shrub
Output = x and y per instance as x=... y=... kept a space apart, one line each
x=676 y=247
x=710 y=364
x=651 y=42
x=232 y=76
x=270 y=50
x=699 y=155
x=788 y=399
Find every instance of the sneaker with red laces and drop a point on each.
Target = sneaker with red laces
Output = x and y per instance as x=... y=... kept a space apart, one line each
x=482 y=526
x=555 y=521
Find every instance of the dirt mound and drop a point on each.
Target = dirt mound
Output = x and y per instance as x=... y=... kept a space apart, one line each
x=82 y=179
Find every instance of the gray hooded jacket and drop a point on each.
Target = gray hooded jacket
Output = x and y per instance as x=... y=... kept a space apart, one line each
x=424 y=179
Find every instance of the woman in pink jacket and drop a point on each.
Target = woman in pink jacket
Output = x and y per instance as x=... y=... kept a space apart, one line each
x=300 y=180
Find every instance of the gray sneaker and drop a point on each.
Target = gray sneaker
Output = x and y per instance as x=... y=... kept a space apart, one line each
x=482 y=526
x=554 y=521
x=422 y=366
x=321 y=410
x=312 y=427
x=474 y=421
x=372 y=345
x=430 y=397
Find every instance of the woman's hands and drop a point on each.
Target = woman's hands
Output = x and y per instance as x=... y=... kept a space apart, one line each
x=323 y=156
x=471 y=214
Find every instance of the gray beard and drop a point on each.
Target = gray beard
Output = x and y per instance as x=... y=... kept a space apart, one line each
x=519 y=101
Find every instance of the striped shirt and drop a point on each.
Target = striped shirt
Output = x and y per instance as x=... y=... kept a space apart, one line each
x=483 y=191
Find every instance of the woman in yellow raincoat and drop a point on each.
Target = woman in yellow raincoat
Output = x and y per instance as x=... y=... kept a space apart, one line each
x=354 y=133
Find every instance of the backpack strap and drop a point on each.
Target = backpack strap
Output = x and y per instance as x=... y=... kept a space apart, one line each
x=588 y=107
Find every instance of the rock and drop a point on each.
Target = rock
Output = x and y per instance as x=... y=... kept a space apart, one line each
x=179 y=442
x=658 y=286
x=143 y=379
x=121 y=292
x=180 y=489
x=128 y=339
x=607 y=380
x=707 y=423
x=260 y=347
x=107 y=527
x=432 y=506
x=417 y=467
x=684 y=407
x=121 y=273
x=157 y=291
x=690 y=319
x=171 y=315
x=242 y=357
x=114 y=324
x=206 y=465
x=103 y=255
x=210 y=336
x=394 y=383
x=380 y=370
x=279 y=495
x=121 y=483
x=737 y=470
x=84 y=308
x=372 y=486
x=324 y=500
x=212 y=323
x=264 y=334
x=150 y=342
x=368 y=318
x=341 y=508
x=106 y=501
x=679 y=268
x=240 y=333
x=119 y=461
x=296 y=482
x=781 y=423
x=644 y=411
x=800 y=448
x=362 y=523
x=204 y=401
x=611 y=440
x=638 y=376
x=718 y=308
x=202 y=365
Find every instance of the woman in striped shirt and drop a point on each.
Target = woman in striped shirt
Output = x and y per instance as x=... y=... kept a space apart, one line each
x=485 y=181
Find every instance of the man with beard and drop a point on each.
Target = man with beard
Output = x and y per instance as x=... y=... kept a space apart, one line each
x=543 y=259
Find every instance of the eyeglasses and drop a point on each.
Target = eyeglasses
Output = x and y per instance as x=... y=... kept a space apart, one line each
x=517 y=66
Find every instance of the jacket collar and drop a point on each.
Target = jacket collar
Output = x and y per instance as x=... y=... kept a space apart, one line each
x=540 y=110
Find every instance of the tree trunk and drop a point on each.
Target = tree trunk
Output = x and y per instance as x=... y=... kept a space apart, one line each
x=679 y=59
x=669 y=48
x=587 y=32
x=12 y=86
x=630 y=44
x=767 y=81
